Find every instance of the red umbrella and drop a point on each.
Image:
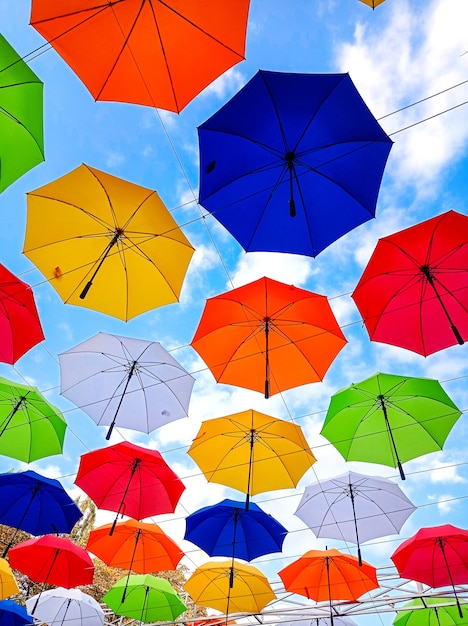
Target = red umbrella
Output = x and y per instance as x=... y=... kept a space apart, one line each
x=414 y=290
x=53 y=560
x=130 y=480
x=20 y=328
x=436 y=556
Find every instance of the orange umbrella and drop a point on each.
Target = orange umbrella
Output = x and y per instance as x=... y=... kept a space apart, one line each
x=149 y=52
x=329 y=575
x=137 y=546
x=268 y=336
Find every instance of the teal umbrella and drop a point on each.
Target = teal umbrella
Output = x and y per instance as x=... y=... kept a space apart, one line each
x=21 y=116
x=144 y=597
x=30 y=427
x=389 y=419
x=431 y=612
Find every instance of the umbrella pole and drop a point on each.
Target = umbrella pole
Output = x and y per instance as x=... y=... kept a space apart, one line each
x=45 y=581
x=25 y=512
x=327 y=565
x=426 y=270
x=351 y=495
x=16 y=408
x=387 y=423
x=267 y=358
x=118 y=233
x=290 y=163
x=124 y=594
x=249 y=478
x=135 y=465
x=441 y=545
x=130 y=374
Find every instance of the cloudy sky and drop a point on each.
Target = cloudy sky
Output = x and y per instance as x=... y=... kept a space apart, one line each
x=409 y=61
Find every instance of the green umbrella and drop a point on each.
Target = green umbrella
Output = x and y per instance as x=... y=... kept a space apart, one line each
x=431 y=612
x=30 y=427
x=146 y=598
x=21 y=116
x=389 y=419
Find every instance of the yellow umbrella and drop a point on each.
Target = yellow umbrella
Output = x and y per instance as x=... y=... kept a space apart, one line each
x=252 y=452
x=229 y=586
x=373 y=3
x=8 y=585
x=105 y=243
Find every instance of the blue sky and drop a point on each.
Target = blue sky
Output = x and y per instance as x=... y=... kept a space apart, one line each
x=396 y=55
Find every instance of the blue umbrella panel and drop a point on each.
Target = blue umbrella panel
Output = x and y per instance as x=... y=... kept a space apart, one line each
x=292 y=162
x=12 y=614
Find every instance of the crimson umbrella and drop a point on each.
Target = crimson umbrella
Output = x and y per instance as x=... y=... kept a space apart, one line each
x=414 y=290
x=53 y=560
x=130 y=480
x=436 y=556
x=20 y=328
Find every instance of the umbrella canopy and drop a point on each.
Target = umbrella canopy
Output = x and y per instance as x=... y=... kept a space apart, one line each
x=354 y=507
x=136 y=546
x=21 y=116
x=127 y=382
x=302 y=620
x=436 y=556
x=292 y=162
x=430 y=612
x=268 y=336
x=252 y=452
x=148 y=599
x=35 y=504
x=12 y=614
x=159 y=54
x=130 y=480
x=20 y=327
x=8 y=584
x=329 y=575
x=413 y=292
x=105 y=243
x=30 y=427
x=66 y=607
x=227 y=529
x=230 y=587
x=373 y=3
x=53 y=560
x=389 y=419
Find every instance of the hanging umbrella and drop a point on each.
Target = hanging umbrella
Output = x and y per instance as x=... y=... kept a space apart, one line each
x=354 y=507
x=230 y=587
x=327 y=575
x=268 y=336
x=292 y=162
x=373 y=3
x=20 y=328
x=52 y=560
x=436 y=556
x=30 y=427
x=66 y=607
x=413 y=292
x=129 y=480
x=21 y=116
x=136 y=546
x=148 y=599
x=159 y=54
x=227 y=529
x=389 y=419
x=35 y=504
x=127 y=382
x=12 y=614
x=105 y=243
x=252 y=452
x=8 y=584
x=430 y=612
x=303 y=620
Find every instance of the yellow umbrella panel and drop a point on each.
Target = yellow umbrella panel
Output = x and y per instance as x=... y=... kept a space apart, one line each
x=252 y=452
x=373 y=3
x=230 y=587
x=105 y=243
x=8 y=584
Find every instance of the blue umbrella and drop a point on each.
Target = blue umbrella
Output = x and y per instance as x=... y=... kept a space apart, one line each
x=12 y=614
x=292 y=162
x=228 y=529
x=35 y=504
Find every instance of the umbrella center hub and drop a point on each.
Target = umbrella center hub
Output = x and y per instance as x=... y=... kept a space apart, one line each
x=290 y=157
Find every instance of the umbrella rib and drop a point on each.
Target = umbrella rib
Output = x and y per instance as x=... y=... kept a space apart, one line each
x=19 y=122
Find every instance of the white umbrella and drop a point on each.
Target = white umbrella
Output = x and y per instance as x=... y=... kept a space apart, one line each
x=65 y=607
x=317 y=621
x=127 y=382
x=354 y=507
